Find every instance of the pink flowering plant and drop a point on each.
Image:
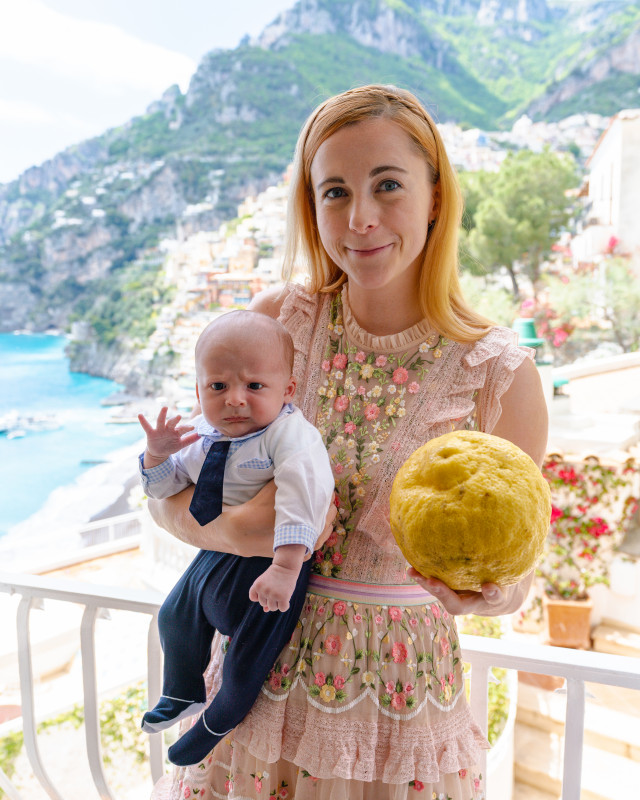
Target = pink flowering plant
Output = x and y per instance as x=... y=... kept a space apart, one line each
x=592 y=504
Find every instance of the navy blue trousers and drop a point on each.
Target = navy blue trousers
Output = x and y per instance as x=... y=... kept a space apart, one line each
x=213 y=594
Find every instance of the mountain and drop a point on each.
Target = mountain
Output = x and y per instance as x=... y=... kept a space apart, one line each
x=79 y=235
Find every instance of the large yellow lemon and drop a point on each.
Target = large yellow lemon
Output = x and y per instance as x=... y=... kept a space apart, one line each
x=470 y=508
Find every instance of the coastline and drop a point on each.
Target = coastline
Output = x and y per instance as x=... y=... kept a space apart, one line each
x=105 y=490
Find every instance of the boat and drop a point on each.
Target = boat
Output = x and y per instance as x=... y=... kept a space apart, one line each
x=14 y=425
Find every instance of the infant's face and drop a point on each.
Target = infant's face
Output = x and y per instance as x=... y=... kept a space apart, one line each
x=242 y=384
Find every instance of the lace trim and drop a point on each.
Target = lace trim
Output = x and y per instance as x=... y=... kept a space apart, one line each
x=361 y=750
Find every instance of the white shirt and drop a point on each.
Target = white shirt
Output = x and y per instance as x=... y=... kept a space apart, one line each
x=289 y=450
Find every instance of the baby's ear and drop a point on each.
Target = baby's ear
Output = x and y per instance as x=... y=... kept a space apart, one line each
x=197 y=392
x=290 y=391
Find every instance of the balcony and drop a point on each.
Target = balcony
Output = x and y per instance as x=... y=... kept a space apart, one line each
x=91 y=603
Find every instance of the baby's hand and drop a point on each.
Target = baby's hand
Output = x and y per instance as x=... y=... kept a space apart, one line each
x=273 y=589
x=166 y=438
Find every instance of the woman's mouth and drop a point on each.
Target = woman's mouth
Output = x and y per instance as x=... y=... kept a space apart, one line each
x=366 y=252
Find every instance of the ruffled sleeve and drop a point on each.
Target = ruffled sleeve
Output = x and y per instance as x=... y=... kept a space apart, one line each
x=498 y=356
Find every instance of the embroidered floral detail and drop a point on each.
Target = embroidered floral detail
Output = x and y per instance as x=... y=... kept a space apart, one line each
x=258 y=780
x=362 y=397
x=344 y=652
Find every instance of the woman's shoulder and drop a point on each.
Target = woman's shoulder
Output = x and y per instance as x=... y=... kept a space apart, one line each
x=270 y=301
x=282 y=302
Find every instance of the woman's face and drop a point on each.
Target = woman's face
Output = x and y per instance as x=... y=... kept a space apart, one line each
x=374 y=201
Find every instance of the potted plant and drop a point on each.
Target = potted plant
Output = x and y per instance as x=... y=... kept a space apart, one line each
x=591 y=506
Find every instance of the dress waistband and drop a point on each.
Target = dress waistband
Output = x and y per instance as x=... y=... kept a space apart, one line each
x=410 y=594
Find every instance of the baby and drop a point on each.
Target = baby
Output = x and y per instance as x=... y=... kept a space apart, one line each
x=248 y=433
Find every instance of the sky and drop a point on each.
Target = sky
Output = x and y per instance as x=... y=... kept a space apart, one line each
x=71 y=69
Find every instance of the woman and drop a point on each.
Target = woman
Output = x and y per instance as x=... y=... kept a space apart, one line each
x=367 y=701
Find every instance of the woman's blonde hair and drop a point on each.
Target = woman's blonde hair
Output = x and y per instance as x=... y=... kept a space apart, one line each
x=441 y=297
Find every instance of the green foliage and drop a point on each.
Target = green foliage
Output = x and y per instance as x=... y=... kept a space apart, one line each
x=10 y=747
x=119 y=729
x=490 y=300
x=123 y=307
x=519 y=211
x=194 y=179
x=333 y=63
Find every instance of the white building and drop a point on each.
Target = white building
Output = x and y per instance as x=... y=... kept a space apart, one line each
x=613 y=192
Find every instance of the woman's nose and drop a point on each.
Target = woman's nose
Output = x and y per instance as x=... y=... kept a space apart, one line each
x=363 y=215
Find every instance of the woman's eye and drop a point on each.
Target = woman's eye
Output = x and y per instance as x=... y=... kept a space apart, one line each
x=217 y=386
x=389 y=185
x=334 y=193
x=254 y=386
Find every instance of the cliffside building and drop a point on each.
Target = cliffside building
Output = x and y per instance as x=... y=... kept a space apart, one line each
x=612 y=192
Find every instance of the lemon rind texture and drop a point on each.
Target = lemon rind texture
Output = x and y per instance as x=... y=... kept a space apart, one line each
x=471 y=508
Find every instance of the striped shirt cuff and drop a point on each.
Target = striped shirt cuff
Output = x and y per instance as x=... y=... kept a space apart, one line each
x=295 y=534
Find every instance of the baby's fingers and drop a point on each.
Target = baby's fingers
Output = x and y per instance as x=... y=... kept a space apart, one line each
x=187 y=440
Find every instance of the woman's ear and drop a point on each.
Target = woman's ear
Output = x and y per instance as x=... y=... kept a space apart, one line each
x=435 y=203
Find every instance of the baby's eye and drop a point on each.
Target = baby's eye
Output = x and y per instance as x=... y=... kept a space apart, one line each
x=217 y=386
x=255 y=386
x=389 y=185
x=335 y=193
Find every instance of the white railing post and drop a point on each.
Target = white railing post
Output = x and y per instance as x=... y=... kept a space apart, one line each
x=27 y=697
x=90 y=689
x=479 y=703
x=573 y=739
x=154 y=690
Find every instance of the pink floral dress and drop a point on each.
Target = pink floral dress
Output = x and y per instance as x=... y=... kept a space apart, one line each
x=367 y=701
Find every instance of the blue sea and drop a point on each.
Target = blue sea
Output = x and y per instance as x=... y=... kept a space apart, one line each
x=35 y=379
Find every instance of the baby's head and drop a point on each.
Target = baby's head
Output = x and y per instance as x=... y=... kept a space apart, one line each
x=244 y=365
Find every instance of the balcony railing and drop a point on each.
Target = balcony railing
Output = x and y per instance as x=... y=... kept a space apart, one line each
x=577 y=667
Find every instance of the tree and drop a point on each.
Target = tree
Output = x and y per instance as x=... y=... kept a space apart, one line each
x=522 y=212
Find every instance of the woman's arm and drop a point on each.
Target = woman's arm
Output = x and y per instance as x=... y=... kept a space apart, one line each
x=523 y=421
x=244 y=530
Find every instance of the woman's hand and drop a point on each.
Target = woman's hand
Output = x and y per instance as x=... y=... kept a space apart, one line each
x=328 y=526
x=492 y=601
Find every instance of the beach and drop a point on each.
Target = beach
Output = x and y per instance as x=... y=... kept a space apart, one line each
x=105 y=490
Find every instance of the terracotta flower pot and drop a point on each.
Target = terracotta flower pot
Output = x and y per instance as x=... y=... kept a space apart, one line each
x=567 y=622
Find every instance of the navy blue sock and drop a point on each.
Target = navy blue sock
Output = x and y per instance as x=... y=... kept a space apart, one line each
x=196 y=744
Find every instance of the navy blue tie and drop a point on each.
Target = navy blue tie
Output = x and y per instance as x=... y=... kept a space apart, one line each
x=206 y=503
